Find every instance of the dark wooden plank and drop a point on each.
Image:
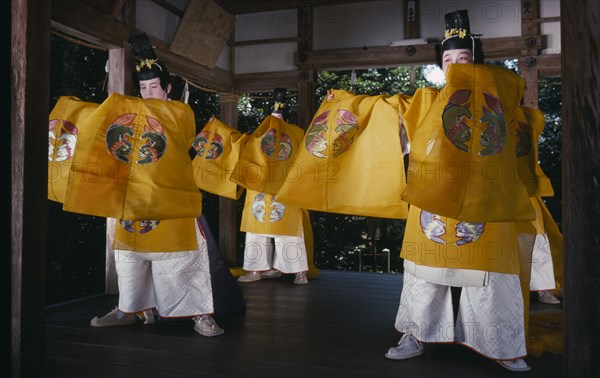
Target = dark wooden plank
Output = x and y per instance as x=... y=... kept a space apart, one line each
x=228 y=220
x=5 y=201
x=548 y=65
x=30 y=92
x=528 y=60
x=306 y=80
x=250 y=42
x=580 y=35
x=5 y=196
x=339 y=325
x=382 y=56
x=306 y=98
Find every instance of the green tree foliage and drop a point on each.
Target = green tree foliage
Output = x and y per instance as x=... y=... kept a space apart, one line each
x=252 y=110
x=373 y=81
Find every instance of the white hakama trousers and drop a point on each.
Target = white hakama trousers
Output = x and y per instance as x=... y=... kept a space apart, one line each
x=289 y=253
x=177 y=284
x=490 y=318
x=542 y=267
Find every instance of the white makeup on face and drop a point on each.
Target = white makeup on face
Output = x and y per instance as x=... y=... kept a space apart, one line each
x=152 y=89
x=456 y=56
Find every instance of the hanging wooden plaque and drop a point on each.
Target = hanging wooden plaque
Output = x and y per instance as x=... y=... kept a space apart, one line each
x=202 y=32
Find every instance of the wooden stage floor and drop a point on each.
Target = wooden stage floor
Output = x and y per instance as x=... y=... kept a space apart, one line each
x=337 y=326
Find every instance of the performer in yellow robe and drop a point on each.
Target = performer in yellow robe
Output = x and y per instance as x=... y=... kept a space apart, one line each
x=63 y=130
x=161 y=257
x=350 y=160
x=466 y=194
x=130 y=156
x=218 y=147
x=275 y=240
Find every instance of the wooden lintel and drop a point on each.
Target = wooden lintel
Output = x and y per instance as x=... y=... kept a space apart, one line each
x=266 y=81
x=547 y=65
x=264 y=41
x=382 y=56
x=542 y=20
x=85 y=22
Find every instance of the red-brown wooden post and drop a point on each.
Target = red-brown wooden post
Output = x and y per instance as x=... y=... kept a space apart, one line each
x=580 y=35
x=30 y=57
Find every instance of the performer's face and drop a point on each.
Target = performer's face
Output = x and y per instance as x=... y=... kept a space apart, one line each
x=152 y=89
x=456 y=56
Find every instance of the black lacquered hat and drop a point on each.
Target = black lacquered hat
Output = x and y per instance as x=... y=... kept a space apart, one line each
x=458 y=32
x=147 y=65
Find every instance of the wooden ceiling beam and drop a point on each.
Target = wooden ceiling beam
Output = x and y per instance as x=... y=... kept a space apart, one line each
x=80 y=20
x=266 y=81
x=245 y=6
x=170 y=7
x=384 y=56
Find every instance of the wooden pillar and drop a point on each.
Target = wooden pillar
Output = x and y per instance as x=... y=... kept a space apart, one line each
x=580 y=36
x=528 y=61
x=30 y=60
x=5 y=196
x=228 y=224
x=306 y=98
x=119 y=81
x=120 y=65
x=116 y=84
x=306 y=85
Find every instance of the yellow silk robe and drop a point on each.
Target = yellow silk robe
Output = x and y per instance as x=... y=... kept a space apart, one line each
x=218 y=147
x=442 y=242
x=350 y=160
x=64 y=128
x=171 y=235
x=268 y=155
x=433 y=239
x=463 y=162
x=133 y=163
x=264 y=215
x=527 y=127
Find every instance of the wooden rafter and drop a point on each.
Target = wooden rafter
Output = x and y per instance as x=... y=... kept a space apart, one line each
x=170 y=7
x=247 y=6
x=85 y=22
